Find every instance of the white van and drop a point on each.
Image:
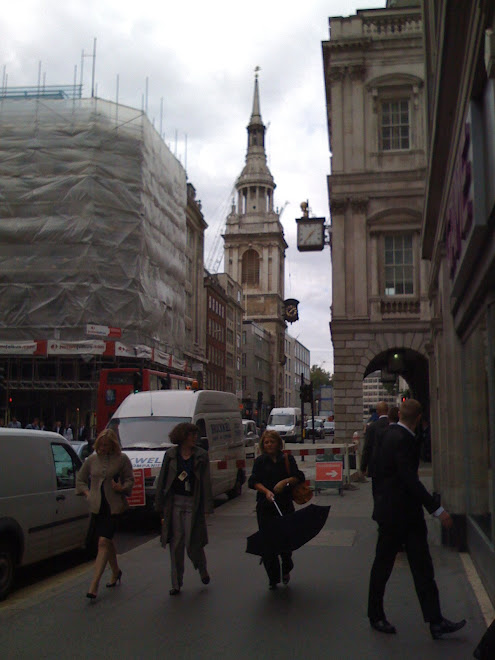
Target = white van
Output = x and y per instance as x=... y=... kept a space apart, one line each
x=145 y=420
x=287 y=423
x=40 y=513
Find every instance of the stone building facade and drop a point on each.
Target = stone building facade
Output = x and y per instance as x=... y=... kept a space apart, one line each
x=374 y=80
x=216 y=325
x=233 y=329
x=195 y=317
x=458 y=239
x=257 y=347
x=255 y=248
x=297 y=363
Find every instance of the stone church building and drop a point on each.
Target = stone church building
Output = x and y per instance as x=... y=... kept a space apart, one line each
x=254 y=249
x=375 y=92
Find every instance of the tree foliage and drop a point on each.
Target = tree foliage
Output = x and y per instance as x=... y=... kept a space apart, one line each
x=320 y=377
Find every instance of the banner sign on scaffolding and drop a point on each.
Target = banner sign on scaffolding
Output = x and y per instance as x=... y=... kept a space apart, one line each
x=76 y=347
x=103 y=331
x=18 y=347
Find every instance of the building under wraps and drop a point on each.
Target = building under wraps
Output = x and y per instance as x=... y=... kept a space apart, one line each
x=92 y=242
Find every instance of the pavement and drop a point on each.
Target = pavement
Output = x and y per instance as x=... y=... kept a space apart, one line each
x=320 y=614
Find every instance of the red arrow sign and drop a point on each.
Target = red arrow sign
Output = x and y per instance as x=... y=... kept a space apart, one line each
x=331 y=471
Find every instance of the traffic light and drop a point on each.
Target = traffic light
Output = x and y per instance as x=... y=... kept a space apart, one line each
x=272 y=401
x=259 y=401
x=137 y=381
x=306 y=391
x=2 y=376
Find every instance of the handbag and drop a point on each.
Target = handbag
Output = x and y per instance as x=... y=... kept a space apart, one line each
x=301 y=492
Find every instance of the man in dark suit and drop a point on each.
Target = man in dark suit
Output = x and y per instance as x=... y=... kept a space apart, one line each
x=399 y=498
x=373 y=431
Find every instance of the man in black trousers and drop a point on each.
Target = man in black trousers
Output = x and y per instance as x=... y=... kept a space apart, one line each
x=399 y=498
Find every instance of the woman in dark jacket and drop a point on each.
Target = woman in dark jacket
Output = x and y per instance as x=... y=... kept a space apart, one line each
x=272 y=481
x=183 y=497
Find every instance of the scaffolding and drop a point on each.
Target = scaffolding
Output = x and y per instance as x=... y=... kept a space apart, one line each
x=92 y=222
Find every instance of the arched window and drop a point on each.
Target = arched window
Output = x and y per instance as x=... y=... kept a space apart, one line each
x=251 y=268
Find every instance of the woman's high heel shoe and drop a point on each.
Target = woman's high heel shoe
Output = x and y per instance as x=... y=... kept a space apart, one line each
x=90 y=595
x=118 y=578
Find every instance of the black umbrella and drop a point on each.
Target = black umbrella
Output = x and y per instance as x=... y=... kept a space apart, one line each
x=290 y=532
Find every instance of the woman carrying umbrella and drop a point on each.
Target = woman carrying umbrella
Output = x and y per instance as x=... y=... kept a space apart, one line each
x=271 y=479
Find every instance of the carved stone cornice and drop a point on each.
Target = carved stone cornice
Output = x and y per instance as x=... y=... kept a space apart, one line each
x=338 y=205
x=352 y=71
x=357 y=71
x=337 y=74
x=359 y=204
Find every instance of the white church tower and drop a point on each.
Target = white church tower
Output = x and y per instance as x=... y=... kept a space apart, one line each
x=255 y=246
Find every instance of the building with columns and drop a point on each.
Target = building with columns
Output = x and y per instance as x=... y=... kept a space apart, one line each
x=255 y=247
x=374 y=81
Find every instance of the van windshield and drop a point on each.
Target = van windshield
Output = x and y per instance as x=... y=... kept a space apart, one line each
x=281 y=420
x=145 y=432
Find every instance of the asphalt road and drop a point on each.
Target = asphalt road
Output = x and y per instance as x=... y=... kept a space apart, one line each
x=321 y=614
x=135 y=529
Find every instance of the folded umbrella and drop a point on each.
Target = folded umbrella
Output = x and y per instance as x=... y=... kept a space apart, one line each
x=288 y=533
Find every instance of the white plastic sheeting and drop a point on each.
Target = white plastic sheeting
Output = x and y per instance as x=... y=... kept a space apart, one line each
x=92 y=223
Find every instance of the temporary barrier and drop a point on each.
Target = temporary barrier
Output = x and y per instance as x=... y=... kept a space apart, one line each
x=329 y=472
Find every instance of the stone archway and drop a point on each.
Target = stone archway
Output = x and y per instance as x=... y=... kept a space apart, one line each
x=357 y=354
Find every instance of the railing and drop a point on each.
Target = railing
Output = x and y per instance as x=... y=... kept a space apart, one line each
x=392 y=25
x=400 y=306
x=44 y=92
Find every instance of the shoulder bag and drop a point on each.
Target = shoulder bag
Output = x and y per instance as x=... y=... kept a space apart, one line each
x=301 y=492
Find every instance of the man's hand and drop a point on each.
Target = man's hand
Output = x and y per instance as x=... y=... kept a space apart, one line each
x=446 y=520
x=269 y=495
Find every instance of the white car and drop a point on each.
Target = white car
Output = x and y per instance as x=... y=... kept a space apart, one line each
x=251 y=436
x=329 y=428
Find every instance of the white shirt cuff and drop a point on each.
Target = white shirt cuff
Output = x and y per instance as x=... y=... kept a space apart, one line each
x=439 y=511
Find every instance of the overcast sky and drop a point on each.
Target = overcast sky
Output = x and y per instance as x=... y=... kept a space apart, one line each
x=200 y=57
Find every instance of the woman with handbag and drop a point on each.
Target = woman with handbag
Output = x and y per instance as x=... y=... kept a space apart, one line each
x=274 y=477
x=110 y=474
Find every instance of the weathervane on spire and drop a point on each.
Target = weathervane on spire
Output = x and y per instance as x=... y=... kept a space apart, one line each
x=258 y=68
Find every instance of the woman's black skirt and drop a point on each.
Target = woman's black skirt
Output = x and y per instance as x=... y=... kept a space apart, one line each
x=104 y=523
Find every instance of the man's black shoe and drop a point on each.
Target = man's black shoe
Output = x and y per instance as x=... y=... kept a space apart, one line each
x=445 y=626
x=383 y=626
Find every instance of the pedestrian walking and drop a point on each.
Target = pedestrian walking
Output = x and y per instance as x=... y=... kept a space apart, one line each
x=399 y=498
x=271 y=479
x=68 y=433
x=105 y=478
x=372 y=431
x=34 y=425
x=14 y=424
x=183 y=498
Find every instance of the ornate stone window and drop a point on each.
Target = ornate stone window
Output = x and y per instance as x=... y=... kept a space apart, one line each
x=251 y=268
x=399 y=270
x=395 y=129
x=396 y=120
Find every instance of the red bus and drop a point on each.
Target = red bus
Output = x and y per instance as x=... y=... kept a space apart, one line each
x=116 y=384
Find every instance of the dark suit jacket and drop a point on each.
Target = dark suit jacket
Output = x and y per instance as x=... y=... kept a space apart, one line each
x=373 y=430
x=399 y=495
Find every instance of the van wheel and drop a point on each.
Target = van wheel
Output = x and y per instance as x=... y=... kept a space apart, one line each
x=7 y=566
x=237 y=489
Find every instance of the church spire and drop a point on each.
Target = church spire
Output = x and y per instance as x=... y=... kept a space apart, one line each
x=256 y=114
x=256 y=170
